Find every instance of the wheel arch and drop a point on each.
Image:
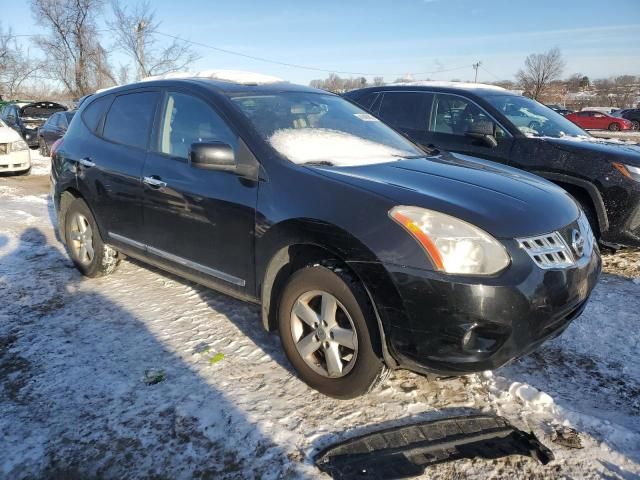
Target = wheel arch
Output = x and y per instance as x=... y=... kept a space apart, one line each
x=292 y=245
x=581 y=188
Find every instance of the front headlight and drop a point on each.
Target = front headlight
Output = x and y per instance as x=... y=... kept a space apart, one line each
x=19 y=145
x=628 y=171
x=453 y=245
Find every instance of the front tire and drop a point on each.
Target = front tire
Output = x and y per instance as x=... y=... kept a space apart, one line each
x=84 y=244
x=327 y=330
x=614 y=127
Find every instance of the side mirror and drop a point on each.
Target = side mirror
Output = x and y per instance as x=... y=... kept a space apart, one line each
x=212 y=156
x=485 y=131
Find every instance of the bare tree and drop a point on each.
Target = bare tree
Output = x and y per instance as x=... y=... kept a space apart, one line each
x=16 y=65
x=74 y=54
x=540 y=69
x=136 y=34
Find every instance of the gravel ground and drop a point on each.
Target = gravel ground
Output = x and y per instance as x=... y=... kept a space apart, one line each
x=122 y=377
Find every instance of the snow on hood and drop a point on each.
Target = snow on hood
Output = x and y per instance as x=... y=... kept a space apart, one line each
x=8 y=135
x=339 y=148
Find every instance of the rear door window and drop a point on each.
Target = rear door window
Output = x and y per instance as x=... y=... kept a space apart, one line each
x=130 y=118
x=405 y=110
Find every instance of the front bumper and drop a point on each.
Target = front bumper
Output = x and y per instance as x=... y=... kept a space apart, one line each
x=458 y=325
x=15 y=161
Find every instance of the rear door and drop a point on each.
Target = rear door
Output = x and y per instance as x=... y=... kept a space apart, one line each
x=450 y=118
x=109 y=169
x=407 y=112
x=202 y=220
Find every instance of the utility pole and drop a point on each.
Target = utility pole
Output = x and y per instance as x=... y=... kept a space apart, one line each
x=140 y=31
x=475 y=67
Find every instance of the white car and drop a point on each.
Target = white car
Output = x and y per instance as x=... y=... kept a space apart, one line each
x=15 y=155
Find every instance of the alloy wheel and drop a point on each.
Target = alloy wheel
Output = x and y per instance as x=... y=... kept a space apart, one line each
x=81 y=236
x=324 y=334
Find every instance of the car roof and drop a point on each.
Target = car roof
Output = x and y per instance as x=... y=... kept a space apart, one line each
x=222 y=81
x=479 y=89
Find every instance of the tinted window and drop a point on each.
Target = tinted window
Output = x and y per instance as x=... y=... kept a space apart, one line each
x=188 y=120
x=454 y=115
x=94 y=112
x=405 y=109
x=61 y=121
x=129 y=119
x=366 y=100
x=51 y=121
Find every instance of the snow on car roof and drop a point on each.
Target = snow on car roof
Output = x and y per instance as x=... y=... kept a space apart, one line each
x=437 y=83
x=239 y=77
x=233 y=76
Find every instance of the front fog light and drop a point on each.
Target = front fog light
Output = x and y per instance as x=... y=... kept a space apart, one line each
x=453 y=245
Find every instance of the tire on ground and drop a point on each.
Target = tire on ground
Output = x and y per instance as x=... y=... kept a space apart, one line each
x=105 y=259
x=369 y=370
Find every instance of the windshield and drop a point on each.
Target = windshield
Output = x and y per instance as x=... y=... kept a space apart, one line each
x=326 y=129
x=534 y=119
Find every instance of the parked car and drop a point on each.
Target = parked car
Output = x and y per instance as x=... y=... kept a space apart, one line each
x=593 y=120
x=560 y=110
x=27 y=118
x=53 y=129
x=14 y=152
x=364 y=252
x=633 y=115
x=604 y=177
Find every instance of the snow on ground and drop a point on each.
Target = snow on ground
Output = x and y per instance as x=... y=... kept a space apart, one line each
x=120 y=377
x=39 y=165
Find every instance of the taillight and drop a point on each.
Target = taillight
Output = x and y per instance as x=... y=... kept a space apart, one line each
x=56 y=145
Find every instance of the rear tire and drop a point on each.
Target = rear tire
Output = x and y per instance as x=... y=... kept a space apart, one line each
x=614 y=127
x=84 y=244
x=327 y=313
x=635 y=125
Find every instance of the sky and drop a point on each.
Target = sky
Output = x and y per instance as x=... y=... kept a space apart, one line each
x=436 y=39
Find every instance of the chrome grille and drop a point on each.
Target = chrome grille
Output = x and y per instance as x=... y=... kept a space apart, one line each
x=555 y=250
x=548 y=251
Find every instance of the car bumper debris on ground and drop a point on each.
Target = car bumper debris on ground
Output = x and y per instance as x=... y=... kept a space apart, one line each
x=142 y=374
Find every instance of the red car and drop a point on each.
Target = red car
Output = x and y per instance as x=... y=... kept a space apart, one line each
x=594 y=120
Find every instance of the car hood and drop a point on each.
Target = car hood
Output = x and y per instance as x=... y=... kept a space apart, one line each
x=504 y=201
x=592 y=147
x=41 y=110
x=8 y=135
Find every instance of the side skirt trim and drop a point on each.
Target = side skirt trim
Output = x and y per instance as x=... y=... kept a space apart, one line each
x=179 y=260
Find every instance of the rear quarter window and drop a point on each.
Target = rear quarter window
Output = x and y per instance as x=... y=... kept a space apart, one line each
x=130 y=118
x=93 y=113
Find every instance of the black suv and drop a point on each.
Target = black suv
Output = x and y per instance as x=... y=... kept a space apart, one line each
x=365 y=253
x=631 y=114
x=495 y=124
x=27 y=119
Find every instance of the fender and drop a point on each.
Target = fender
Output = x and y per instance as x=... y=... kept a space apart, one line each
x=590 y=188
x=287 y=246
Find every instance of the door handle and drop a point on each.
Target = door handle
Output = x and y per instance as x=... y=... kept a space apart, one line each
x=86 y=162
x=154 y=182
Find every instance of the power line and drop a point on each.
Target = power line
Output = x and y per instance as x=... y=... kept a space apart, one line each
x=494 y=76
x=295 y=65
x=285 y=64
